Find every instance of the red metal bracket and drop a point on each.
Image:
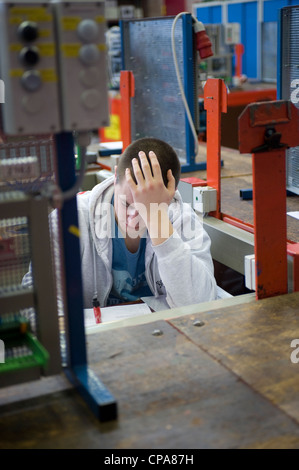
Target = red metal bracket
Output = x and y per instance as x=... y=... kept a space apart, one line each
x=215 y=103
x=239 y=51
x=127 y=91
x=266 y=129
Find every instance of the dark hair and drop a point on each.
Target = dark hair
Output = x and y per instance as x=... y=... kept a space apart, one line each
x=166 y=156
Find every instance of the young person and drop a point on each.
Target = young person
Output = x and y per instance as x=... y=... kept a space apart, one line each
x=138 y=238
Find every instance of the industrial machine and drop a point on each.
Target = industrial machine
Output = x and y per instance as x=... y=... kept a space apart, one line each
x=287 y=80
x=224 y=38
x=162 y=55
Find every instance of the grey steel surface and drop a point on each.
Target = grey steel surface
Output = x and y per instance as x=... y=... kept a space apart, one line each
x=289 y=83
x=157 y=107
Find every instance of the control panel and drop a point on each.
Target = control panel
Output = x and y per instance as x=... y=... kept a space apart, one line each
x=28 y=68
x=53 y=63
x=82 y=57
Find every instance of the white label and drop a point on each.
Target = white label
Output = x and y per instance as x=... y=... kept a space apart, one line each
x=2 y=352
x=2 y=92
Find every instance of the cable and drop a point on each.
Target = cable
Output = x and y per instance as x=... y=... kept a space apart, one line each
x=180 y=82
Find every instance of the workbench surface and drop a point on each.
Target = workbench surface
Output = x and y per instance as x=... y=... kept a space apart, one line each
x=229 y=383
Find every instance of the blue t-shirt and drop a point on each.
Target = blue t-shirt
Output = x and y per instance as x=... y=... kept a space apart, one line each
x=128 y=271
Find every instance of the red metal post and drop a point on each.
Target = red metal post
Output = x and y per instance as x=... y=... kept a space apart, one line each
x=266 y=129
x=215 y=103
x=270 y=234
x=127 y=91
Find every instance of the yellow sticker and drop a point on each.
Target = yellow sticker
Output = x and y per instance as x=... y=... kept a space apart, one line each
x=70 y=23
x=47 y=49
x=70 y=50
x=15 y=20
x=48 y=75
x=44 y=33
x=16 y=73
x=102 y=47
x=100 y=19
x=40 y=17
x=14 y=47
x=27 y=10
x=74 y=230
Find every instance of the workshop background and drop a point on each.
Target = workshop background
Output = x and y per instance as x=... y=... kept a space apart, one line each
x=218 y=80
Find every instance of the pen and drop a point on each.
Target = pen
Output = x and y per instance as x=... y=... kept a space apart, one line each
x=97 y=310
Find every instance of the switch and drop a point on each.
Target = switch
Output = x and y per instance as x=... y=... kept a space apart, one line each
x=90 y=76
x=91 y=98
x=29 y=55
x=88 y=30
x=31 y=80
x=28 y=31
x=89 y=54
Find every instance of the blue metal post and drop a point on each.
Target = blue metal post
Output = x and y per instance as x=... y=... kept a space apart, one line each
x=191 y=98
x=99 y=399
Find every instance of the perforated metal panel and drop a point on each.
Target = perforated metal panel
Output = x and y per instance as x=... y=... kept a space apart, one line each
x=289 y=70
x=157 y=107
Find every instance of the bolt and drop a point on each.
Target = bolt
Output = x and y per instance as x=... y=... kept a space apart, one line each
x=157 y=333
x=198 y=323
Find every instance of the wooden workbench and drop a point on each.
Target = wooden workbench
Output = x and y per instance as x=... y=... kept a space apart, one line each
x=229 y=383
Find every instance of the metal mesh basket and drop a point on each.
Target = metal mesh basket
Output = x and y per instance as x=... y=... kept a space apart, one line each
x=26 y=163
x=26 y=171
x=22 y=349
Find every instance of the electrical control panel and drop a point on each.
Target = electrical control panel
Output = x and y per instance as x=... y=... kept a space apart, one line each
x=53 y=64
x=28 y=68
x=82 y=58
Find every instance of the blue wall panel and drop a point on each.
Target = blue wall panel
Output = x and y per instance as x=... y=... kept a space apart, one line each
x=208 y=15
x=271 y=9
x=245 y=13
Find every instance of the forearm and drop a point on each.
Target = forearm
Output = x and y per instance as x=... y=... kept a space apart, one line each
x=196 y=282
x=158 y=225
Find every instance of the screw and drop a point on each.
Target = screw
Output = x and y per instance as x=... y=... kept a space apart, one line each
x=157 y=333
x=198 y=323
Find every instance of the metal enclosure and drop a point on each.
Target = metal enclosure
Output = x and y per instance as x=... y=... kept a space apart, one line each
x=157 y=107
x=288 y=81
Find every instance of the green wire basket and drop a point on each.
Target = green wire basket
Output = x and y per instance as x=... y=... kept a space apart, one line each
x=22 y=348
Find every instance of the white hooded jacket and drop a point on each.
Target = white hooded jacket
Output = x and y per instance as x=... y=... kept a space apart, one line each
x=181 y=268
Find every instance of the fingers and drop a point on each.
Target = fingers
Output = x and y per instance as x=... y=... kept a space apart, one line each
x=129 y=179
x=155 y=165
x=171 y=182
x=147 y=172
x=137 y=172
